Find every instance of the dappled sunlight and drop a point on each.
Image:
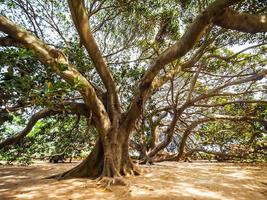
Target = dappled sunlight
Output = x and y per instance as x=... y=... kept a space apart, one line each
x=201 y=181
x=161 y=181
x=239 y=175
x=203 y=193
x=263 y=19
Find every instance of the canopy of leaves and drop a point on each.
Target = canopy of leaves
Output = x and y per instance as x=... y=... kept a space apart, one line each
x=130 y=35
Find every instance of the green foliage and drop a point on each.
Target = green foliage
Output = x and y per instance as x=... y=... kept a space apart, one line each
x=125 y=32
x=62 y=66
x=49 y=137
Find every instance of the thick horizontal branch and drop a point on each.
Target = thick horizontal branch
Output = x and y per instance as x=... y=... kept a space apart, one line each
x=231 y=19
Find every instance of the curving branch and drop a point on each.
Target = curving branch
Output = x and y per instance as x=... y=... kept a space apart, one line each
x=158 y=82
x=33 y=120
x=176 y=51
x=216 y=153
x=213 y=92
x=194 y=124
x=208 y=119
x=244 y=22
x=229 y=58
x=80 y=19
x=214 y=13
x=154 y=131
x=69 y=107
x=56 y=59
x=190 y=102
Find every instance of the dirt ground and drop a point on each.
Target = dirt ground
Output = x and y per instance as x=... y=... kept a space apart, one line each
x=197 y=180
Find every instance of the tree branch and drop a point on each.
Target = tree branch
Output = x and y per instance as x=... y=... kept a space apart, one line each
x=56 y=59
x=257 y=76
x=8 y=42
x=183 y=46
x=80 y=19
x=244 y=22
x=69 y=107
x=190 y=102
x=213 y=118
x=39 y=115
x=231 y=102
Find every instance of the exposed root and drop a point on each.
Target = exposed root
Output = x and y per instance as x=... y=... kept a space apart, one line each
x=60 y=176
x=130 y=169
x=64 y=175
x=146 y=161
x=107 y=182
x=52 y=177
x=79 y=171
x=134 y=171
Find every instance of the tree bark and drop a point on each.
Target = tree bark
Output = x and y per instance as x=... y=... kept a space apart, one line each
x=73 y=108
x=109 y=158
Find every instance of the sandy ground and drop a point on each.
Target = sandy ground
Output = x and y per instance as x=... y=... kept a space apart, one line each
x=161 y=181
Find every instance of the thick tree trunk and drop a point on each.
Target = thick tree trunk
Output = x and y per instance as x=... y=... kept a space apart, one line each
x=109 y=158
x=90 y=167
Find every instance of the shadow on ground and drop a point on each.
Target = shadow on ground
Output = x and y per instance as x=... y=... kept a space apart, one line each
x=163 y=181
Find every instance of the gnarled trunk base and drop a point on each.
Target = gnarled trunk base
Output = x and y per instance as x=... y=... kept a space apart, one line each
x=108 y=166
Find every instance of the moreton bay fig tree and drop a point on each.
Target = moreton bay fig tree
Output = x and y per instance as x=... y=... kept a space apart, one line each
x=106 y=59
